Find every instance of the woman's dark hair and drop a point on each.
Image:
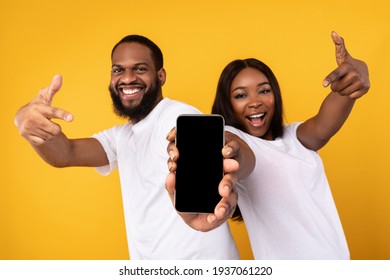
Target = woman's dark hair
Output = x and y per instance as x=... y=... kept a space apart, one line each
x=223 y=106
x=156 y=51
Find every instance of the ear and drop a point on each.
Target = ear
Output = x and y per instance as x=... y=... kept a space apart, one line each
x=162 y=75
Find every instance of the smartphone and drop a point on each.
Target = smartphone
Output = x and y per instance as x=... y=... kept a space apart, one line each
x=199 y=139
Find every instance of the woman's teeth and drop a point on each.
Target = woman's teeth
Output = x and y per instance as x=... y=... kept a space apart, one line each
x=256 y=116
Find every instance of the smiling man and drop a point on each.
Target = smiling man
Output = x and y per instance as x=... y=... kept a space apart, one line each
x=136 y=79
x=138 y=150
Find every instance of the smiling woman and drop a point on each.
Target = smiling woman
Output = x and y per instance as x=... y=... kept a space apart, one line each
x=253 y=102
x=286 y=202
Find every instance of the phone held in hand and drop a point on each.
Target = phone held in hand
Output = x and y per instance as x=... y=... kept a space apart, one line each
x=199 y=139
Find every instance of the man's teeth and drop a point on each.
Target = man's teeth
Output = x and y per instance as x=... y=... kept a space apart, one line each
x=256 y=116
x=131 y=91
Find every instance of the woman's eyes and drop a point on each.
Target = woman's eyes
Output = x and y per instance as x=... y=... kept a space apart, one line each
x=264 y=91
x=239 y=95
x=243 y=94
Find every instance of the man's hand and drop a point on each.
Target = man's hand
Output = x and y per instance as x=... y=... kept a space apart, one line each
x=226 y=188
x=350 y=78
x=34 y=119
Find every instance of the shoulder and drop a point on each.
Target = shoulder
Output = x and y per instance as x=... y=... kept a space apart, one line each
x=163 y=117
x=171 y=106
x=290 y=130
x=113 y=132
x=169 y=110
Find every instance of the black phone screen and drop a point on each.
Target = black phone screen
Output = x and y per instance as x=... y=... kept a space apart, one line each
x=199 y=139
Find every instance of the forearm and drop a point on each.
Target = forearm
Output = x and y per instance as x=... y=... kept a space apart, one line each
x=64 y=152
x=333 y=113
x=56 y=152
x=244 y=156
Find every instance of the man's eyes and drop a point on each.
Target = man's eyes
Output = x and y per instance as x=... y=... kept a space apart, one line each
x=137 y=69
x=140 y=69
x=116 y=70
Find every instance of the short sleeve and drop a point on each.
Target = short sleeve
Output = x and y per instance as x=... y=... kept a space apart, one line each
x=107 y=140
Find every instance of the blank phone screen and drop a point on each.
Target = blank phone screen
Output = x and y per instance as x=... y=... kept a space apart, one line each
x=199 y=139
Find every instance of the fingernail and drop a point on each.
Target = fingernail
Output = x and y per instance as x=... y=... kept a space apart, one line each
x=222 y=211
x=229 y=151
x=212 y=219
x=325 y=83
x=171 y=155
x=69 y=118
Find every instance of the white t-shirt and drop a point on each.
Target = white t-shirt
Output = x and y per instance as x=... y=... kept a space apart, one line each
x=286 y=202
x=154 y=229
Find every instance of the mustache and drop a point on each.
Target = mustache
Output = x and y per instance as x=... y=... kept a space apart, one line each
x=121 y=84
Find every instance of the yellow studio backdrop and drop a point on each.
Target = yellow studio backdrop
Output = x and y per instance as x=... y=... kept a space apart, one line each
x=75 y=213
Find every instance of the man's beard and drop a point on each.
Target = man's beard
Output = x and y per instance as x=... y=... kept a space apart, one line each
x=139 y=112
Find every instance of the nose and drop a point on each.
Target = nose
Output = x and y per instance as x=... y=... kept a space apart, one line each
x=128 y=76
x=255 y=102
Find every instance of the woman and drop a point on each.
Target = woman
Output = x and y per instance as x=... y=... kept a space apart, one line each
x=286 y=201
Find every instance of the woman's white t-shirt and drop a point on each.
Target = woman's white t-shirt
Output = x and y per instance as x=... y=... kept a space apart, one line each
x=286 y=202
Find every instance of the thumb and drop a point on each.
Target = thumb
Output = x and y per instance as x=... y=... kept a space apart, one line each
x=46 y=95
x=341 y=52
x=55 y=86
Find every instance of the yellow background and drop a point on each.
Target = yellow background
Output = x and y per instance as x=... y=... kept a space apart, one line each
x=74 y=213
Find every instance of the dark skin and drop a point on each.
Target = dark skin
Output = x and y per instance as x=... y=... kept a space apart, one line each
x=133 y=71
x=36 y=121
x=239 y=162
x=348 y=82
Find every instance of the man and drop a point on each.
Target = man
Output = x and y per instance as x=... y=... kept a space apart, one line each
x=138 y=149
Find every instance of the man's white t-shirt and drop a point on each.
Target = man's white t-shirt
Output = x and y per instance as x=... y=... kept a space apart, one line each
x=286 y=202
x=154 y=229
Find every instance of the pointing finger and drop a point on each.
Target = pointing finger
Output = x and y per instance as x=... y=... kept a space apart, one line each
x=336 y=74
x=59 y=114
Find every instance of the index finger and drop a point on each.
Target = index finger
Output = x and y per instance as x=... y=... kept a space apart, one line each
x=336 y=74
x=57 y=113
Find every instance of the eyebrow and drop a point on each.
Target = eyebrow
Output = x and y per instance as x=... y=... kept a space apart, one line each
x=135 y=65
x=259 y=84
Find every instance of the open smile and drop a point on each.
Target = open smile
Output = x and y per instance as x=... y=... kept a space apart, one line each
x=131 y=91
x=256 y=119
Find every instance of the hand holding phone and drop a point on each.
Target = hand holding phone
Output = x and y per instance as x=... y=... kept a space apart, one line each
x=199 y=139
